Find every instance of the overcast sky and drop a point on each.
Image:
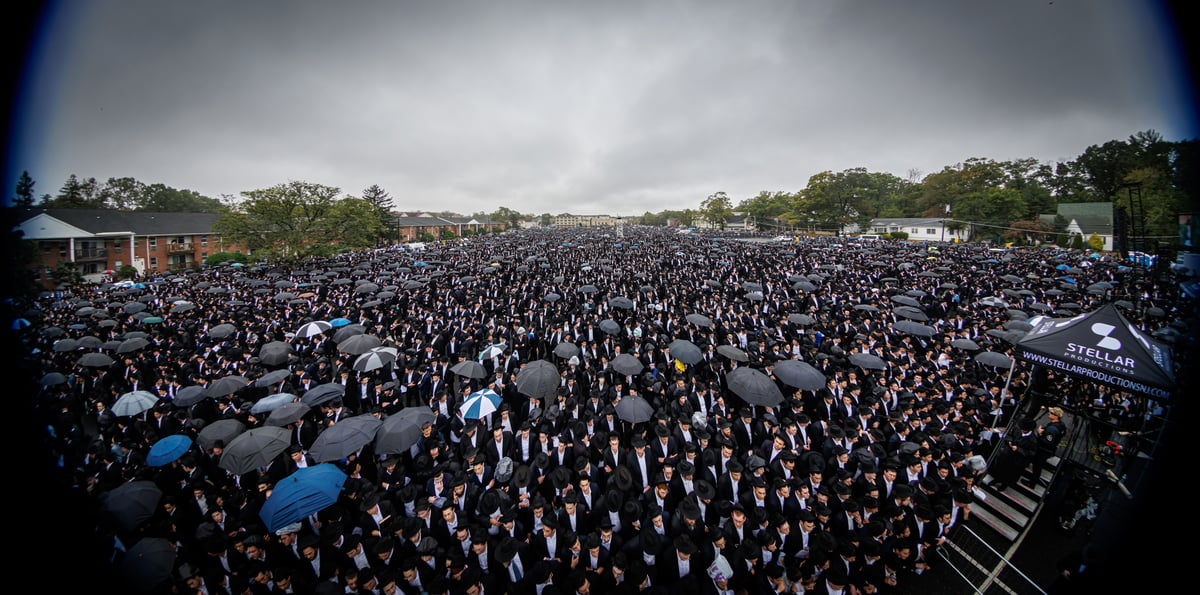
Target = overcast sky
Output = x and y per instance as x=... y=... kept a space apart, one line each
x=583 y=107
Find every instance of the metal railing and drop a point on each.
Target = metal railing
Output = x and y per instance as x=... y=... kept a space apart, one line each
x=981 y=566
x=90 y=253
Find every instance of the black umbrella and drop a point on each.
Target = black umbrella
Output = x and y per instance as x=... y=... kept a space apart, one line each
x=188 y=396
x=910 y=313
x=287 y=413
x=905 y=301
x=275 y=353
x=226 y=385
x=634 y=409
x=627 y=365
x=868 y=361
x=539 y=379
x=800 y=319
x=132 y=345
x=685 y=351
x=65 y=345
x=254 y=448
x=754 y=387
x=222 y=331
x=224 y=430
x=798 y=374
x=359 y=344
x=95 y=360
x=322 y=393
x=345 y=438
x=148 y=563
x=398 y=433
x=621 y=302
x=914 y=328
x=53 y=379
x=965 y=344
x=271 y=378
x=350 y=330
x=130 y=504
x=731 y=352
x=699 y=320
x=994 y=359
x=610 y=326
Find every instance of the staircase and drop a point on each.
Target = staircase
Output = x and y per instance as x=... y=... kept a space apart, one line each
x=979 y=550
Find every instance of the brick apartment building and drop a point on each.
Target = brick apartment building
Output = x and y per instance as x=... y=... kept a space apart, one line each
x=98 y=240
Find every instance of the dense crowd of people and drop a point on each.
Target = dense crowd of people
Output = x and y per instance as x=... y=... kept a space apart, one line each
x=846 y=484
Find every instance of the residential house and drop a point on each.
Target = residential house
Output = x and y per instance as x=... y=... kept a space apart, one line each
x=1085 y=219
x=926 y=229
x=412 y=227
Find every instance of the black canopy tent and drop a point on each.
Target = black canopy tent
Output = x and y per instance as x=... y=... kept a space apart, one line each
x=1102 y=346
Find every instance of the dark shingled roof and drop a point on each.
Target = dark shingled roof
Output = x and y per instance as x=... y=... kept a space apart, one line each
x=138 y=222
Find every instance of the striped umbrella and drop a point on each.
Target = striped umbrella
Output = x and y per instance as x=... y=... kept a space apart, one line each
x=480 y=404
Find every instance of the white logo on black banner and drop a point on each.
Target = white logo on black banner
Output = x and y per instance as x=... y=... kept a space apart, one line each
x=1106 y=341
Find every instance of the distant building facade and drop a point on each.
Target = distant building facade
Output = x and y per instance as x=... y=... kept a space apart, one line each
x=93 y=241
x=1085 y=219
x=413 y=227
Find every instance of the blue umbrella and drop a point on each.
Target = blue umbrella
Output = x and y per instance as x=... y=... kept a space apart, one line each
x=307 y=491
x=336 y=322
x=168 y=449
x=480 y=404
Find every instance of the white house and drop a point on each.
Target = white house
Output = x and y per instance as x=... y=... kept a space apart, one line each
x=927 y=229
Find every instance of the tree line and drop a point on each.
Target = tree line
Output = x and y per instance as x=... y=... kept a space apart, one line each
x=997 y=194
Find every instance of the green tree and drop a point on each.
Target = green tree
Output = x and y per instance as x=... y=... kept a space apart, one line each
x=545 y=219
x=77 y=194
x=165 y=199
x=288 y=220
x=381 y=201
x=24 y=191
x=509 y=217
x=352 y=223
x=716 y=209
x=1095 y=242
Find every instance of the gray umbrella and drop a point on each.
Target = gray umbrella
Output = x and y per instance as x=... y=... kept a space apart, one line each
x=868 y=361
x=866 y=308
x=754 y=387
x=804 y=286
x=345 y=438
x=610 y=326
x=539 y=379
x=130 y=504
x=551 y=297
x=905 y=301
x=254 y=448
x=222 y=331
x=566 y=350
x=731 y=352
x=686 y=351
x=288 y=413
x=627 y=365
x=322 y=393
x=469 y=369
x=589 y=289
x=359 y=344
x=91 y=342
x=224 y=430
x=699 y=320
x=914 y=328
x=95 y=360
x=994 y=359
x=798 y=374
x=226 y=385
x=634 y=409
x=275 y=353
x=188 y=396
x=133 y=403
